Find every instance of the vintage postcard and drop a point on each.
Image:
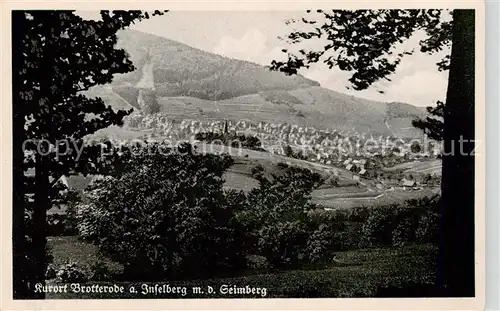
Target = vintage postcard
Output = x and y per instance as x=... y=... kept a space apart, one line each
x=225 y=155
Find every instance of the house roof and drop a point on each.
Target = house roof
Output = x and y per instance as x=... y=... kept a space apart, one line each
x=408 y=183
x=77 y=182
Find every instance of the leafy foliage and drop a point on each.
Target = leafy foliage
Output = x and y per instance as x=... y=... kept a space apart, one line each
x=86 y=56
x=411 y=222
x=51 y=272
x=164 y=215
x=362 y=41
x=56 y=56
x=275 y=215
x=99 y=271
x=71 y=272
x=321 y=242
x=432 y=125
x=416 y=221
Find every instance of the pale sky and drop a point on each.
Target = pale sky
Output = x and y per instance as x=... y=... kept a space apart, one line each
x=253 y=36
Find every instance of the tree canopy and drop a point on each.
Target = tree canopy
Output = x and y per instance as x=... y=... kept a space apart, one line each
x=56 y=56
x=365 y=42
x=62 y=56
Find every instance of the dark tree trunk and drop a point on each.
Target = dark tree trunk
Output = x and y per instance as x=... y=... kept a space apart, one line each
x=39 y=239
x=456 y=269
x=20 y=265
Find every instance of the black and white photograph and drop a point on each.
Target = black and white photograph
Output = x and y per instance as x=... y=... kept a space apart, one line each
x=234 y=154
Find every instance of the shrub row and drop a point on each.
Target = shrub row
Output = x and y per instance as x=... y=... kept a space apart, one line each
x=412 y=221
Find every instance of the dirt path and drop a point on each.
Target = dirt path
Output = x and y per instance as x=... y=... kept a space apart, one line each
x=147 y=79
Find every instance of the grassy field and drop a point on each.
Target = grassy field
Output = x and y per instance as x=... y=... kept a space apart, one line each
x=239 y=177
x=340 y=190
x=423 y=167
x=239 y=182
x=371 y=199
x=109 y=98
x=360 y=273
x=69 y=248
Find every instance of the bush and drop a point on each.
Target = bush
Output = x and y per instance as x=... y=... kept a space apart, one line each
x=258 y=263
x=99 y=271
x=399 y=225
x=378 y=226
x=320 y=244
x=71 y=272
x=51 y=272
x=275 y=216
x=413 y=221
x=282 y=243
x=404 y=232
x=90 y=219
x=349 y=237
x=164 y=215
x=428 y=228
x=61 y=225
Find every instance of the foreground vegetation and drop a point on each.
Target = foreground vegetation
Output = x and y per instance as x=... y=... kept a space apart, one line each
x=356 y=273
x=166 y=216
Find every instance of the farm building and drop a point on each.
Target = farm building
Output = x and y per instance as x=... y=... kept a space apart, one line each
x=75 y=182
x=408 y=183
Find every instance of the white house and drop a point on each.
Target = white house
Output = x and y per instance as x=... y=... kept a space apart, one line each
x=408 y=183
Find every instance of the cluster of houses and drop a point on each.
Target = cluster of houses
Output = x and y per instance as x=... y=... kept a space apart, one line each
x=361 y=153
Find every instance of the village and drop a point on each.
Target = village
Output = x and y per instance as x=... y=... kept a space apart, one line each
x=365 y=156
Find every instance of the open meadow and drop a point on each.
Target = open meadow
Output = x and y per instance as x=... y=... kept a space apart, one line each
x=357 y=273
